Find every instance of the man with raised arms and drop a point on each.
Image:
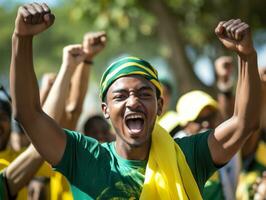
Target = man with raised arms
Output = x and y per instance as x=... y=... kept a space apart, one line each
x=144 y=162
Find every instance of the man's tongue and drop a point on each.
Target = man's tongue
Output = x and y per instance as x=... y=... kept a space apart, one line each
x=135 y=125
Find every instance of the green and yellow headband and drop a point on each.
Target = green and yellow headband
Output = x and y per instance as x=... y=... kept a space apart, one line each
x=125 y=67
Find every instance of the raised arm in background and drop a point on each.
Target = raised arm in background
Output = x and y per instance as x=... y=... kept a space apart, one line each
x=231 y=134
x=224 y=82
x=93 y=43
x=54 y=105
x=47 y=137
x=46 y=85
x=22 y=169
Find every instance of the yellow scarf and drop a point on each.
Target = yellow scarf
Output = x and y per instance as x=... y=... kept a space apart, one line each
x=168 y=175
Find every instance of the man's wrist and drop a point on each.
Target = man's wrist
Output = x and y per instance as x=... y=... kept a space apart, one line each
x=249 y=56
x=22 y=37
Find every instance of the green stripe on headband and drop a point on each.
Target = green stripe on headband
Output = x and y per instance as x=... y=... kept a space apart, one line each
x=125 y=67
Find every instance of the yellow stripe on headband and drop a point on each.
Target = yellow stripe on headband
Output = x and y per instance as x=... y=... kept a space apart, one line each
x=129 y=73
x=109 y=76
x=154 y=81
x=157 y=84
x=126 y=58
x=132 y=73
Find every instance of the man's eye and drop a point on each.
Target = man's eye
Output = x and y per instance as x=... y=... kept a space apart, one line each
x=119 y=97
x=145 y=95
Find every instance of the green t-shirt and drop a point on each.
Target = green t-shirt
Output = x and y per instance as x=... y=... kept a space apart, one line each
x=96 y=171
x=3 y=192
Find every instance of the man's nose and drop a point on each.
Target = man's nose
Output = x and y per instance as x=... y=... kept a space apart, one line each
x=133 y=102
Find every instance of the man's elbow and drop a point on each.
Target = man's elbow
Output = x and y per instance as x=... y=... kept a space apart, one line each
x=26 y=115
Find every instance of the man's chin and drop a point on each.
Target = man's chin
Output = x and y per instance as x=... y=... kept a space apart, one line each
x=137 y=143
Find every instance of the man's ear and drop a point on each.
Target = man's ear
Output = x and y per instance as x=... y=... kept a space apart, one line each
x=160 y=106
x=105 y=110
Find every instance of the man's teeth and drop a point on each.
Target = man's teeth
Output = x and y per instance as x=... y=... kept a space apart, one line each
x=136 y=116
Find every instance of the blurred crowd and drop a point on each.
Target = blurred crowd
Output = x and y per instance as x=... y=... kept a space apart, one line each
x=25 y=174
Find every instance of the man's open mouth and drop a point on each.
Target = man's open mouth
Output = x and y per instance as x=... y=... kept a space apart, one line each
x=135 y=123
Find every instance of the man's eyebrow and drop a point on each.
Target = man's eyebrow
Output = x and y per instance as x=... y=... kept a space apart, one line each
x=145 y=88
x=139 y=89
x=119 y=91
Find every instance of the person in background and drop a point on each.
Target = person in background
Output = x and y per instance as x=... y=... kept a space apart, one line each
x=47 y=82
x=18 y=173
x=18 y=139
x=14 y=175
x=224 y=68
x=259 y=188
x=97 y=127
x=167 y=94
x=197 y=112
x=7 y=154
x=169 y=119
x=93 y=43
x=254 y=150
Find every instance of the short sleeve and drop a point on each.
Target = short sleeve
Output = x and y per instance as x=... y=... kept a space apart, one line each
x=81 y=160
x=198 y=157
x=4 y=193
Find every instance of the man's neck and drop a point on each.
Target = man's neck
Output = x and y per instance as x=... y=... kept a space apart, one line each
x=133 y=152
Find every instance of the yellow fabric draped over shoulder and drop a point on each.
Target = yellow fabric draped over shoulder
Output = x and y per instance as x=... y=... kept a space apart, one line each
x=168 y=175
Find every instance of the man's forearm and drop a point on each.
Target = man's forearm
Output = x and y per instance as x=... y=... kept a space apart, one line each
x=248 y=100
x=23 y=82
x=22 y=169
x=79 y=86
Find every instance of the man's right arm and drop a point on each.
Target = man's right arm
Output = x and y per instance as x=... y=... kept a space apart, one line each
x=45 y=134
x=93 y=43
x=54 y=105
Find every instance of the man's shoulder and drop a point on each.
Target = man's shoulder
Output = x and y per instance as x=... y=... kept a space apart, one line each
x=81 y=142
x=194 y=139
x=78 y=136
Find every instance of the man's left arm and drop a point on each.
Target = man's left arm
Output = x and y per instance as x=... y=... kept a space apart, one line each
x=229 y=137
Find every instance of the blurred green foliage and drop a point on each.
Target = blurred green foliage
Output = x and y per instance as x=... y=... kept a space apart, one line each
x=188 y=24
x=133 y=27
x=69 y=28
x=126 y=20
